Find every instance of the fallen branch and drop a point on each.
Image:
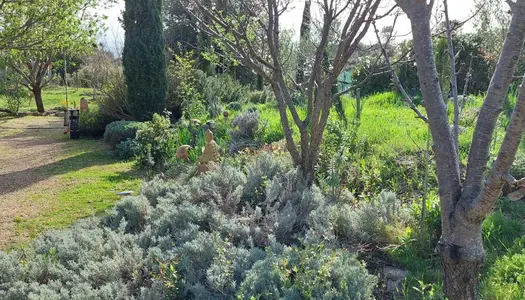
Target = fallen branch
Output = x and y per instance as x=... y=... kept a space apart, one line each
x=5 y=110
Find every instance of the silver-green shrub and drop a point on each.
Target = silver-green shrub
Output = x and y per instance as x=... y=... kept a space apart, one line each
x=308 y=273
x=206 y=239
x=260 y=172
x=370 y=222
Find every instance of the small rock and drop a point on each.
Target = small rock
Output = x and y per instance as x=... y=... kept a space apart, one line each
x=394 y=278
x=125 y=193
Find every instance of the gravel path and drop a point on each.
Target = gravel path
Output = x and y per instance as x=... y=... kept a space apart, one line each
x=23 y=151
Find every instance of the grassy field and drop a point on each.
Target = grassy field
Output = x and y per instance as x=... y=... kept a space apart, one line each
x=89 y=181
x=53 y=97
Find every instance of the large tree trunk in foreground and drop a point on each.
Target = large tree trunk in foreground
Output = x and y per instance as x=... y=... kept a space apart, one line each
x=462 y=254
x=37 y=93
x=463 y=208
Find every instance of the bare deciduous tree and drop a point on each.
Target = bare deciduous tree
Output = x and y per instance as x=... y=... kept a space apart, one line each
x=464 y=205
x=97 y=68
x=250 y=31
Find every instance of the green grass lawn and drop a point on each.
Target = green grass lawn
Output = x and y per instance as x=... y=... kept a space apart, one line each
x=53 y=97
x=89 y=183
x=80 y=180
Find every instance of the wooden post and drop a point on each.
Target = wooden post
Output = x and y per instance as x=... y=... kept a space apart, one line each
x=358 y=103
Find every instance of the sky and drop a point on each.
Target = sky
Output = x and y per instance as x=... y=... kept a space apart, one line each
x=458 y=10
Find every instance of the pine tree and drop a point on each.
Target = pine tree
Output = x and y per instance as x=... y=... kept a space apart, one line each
x=144 y=58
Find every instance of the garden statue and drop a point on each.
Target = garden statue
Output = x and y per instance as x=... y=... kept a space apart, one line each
x=210 y=155
x=182 y=152
x=84 y=106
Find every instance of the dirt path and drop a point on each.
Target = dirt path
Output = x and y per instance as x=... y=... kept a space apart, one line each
x=24 y=151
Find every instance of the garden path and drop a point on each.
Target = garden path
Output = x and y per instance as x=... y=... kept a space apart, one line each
x=26 y=146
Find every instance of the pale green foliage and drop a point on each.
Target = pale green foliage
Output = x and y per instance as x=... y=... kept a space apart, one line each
x=260 y=173
x=196 y=240
x=507 y=278
x=49 y=24
x=155 y=144
x=84 y=262
x=120 y=131
x=221 y=90
x=245 y=126
x=132 y=213
x=370 y=222
x=183 y=92
x=310 y=273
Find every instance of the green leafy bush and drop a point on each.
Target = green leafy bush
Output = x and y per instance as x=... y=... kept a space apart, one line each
x=120 y=131
x=156 y=146
x=93 y=123
x=125 y=150
x=506 y=278
x=184 y=96
x=260 y=97
x=309 y=273
x=223 y=89
x=14 y=95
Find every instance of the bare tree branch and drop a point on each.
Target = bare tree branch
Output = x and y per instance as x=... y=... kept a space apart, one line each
x=406 y=96
x=453 y=78
x=490 y=110
x=507 y=153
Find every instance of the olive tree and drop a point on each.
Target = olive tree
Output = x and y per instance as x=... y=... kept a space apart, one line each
x=466 y=203
x=251 y=32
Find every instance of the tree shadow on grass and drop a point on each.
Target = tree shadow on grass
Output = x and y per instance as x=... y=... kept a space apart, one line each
x=123 y=176
x=17 y=180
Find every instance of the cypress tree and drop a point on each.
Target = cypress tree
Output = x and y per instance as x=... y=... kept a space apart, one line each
x=144 y=58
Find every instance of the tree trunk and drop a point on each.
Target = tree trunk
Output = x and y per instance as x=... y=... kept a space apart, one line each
x=304 y=35
x=461 y=279
x=463 y=256
x=37 y=93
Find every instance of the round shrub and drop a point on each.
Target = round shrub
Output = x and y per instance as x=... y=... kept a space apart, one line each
x=120 y=131
x=93 y=123
x=156 y=144
x=125 y=150
x=134 y=211
x=309 y=273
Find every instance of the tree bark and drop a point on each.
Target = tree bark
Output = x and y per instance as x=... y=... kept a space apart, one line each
x=463 y=209
x=461 y=278
x=462 y=253
x=37 y=93
x=491 y=108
